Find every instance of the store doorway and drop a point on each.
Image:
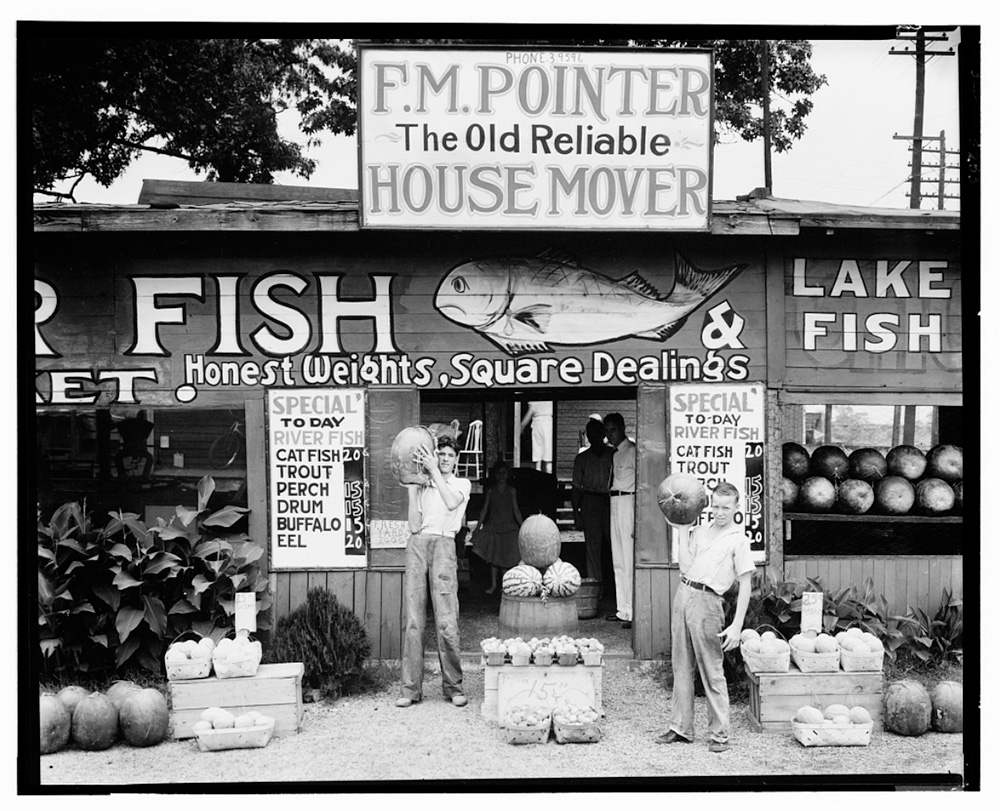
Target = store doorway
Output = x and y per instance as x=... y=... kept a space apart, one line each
x=506 y=435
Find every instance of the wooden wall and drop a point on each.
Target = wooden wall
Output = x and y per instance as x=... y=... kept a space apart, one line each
x=376 y=597
x=904 y=580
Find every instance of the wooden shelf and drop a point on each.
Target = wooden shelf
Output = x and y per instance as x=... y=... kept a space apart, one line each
x=874 y=519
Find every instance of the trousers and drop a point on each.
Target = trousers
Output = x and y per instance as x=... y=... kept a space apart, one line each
x=595 y=516
x=697 y=619
x=431 y=566
x=622 y=552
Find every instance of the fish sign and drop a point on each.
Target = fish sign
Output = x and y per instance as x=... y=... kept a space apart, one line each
x=529 y=305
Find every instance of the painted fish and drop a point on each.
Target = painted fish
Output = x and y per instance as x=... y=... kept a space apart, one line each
x=528 y=305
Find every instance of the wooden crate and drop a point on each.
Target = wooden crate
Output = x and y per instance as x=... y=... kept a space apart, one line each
x=540 y=685
x=276 y=690
x=776 y=697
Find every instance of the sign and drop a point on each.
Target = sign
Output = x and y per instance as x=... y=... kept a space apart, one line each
x=535 y=138
x=316 y=467
x=389 y=534
x=812 y=611
x=546 y=687
x=246 y=611
x=472 y=317
x=717 y=434
x=873 y=323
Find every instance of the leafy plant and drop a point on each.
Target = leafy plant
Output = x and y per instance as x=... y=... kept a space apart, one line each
x=72 y=633
x=220 y=562
x=929 y=642
x=111 y=599
x=328 y=638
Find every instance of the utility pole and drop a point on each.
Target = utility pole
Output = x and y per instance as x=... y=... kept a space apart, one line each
x=942 y=165
x=920 y=37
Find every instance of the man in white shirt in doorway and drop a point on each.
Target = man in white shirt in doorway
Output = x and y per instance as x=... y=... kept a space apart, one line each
x=436 y=513
x=622 y=515
x=711 y=558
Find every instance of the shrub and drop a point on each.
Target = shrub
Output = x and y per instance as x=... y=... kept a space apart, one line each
x=112 y=598
x=328 y=639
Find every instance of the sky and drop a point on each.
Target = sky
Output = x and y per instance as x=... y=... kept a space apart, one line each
x=847 y=155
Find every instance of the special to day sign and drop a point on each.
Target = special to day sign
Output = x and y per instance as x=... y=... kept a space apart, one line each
x=316 y=466
x=535 y=138
x=717 y=434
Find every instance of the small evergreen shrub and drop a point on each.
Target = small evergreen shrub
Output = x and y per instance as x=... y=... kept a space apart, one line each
x=328 y=639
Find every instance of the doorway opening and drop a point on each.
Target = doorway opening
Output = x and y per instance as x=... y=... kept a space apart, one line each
x=503 y=418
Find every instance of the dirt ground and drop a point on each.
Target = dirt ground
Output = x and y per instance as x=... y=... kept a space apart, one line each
x=364 y=743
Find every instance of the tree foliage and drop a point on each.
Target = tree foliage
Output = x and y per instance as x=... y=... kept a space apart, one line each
x=98 y=104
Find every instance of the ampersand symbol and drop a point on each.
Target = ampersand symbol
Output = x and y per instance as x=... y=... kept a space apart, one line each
x=722 y=328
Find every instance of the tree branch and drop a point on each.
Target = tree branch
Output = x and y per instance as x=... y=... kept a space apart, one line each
x=155 y=150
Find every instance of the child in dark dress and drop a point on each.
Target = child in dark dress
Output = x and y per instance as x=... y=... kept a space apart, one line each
x=495 y=537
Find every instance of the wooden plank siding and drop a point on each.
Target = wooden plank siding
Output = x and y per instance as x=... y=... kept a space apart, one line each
x=375 y=596
x=904 y=580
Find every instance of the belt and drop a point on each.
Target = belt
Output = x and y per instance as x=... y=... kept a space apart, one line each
x=700 y=586
x=595 y=493
x=621 y=493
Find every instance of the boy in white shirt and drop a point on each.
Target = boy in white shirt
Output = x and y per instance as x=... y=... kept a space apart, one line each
x=436 y=513
x=711 y=558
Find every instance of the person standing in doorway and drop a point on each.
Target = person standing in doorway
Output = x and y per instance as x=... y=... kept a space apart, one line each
x=539 y=417
x=495 y=538
x=436 y=513
x=622 y=515
x=591 y=504
x=710 y=558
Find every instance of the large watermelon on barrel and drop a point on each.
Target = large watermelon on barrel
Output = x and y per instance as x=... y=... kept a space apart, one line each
x=681 y=497
x=401 y=461
x=538 y=541
x=907 y=708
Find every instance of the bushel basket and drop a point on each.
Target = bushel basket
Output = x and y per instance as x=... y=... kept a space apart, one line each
x=242 y=663
x=816 y=662
x=832 y=734
x=255 y=737
x=191 y=669
x=856 y=662
x=766 y=662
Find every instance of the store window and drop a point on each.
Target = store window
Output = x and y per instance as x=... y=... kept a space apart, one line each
x=140 y=460
x=862 y=512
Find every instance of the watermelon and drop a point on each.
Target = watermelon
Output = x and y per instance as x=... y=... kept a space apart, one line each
x=681 y=497
x=119 y=691
x=538 y=541
x=561 y=579
x=144 y=718
x=794 y=461
x=522 y=580
x=53 y=723
x=946 y=706
x=95 y=723
x=401 y=461
x=71 y=696
x=907 y=708
x=830 y=462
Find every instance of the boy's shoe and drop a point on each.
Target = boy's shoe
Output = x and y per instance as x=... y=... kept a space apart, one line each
x=403 y=701
x=718 y=746
x=459 y=700
x=671 y=737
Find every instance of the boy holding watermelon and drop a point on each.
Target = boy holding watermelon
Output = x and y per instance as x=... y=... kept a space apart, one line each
x=436 y=513
x=711 y=558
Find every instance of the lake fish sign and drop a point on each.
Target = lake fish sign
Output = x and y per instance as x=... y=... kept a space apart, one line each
x=530 y=305
x=535 y=138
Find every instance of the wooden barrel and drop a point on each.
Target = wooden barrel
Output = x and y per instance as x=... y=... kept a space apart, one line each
x=529 y=616
x=586 y=598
